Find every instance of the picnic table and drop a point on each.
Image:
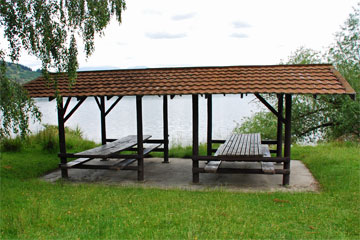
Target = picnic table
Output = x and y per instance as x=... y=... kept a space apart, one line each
x=110 y=150
x=242 y=147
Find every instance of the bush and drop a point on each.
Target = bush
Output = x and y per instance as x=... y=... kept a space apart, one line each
x=11 y=144
x=48 y=138
x=264 y=123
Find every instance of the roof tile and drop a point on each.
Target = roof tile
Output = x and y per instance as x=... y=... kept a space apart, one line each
x=293 y=79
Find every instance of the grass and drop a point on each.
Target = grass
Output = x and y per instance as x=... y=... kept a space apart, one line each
x=34 y=209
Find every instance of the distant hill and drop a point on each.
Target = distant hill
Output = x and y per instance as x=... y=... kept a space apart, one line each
x=20 y=73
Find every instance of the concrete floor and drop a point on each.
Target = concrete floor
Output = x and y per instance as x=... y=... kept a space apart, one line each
x=177 y=174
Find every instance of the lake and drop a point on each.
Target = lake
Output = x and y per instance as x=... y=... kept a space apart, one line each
x=228 y=111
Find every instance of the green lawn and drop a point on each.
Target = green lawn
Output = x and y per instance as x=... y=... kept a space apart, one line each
x=33 y=209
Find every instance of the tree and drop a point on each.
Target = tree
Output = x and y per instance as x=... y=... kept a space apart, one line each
x=48 y=30
x=326 y=116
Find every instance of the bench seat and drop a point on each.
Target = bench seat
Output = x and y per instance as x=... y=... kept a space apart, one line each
x=267 y=167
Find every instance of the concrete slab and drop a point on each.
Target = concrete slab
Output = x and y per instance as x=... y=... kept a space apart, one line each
x=177 y=174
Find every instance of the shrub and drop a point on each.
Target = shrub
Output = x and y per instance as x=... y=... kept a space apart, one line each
x=261 y=122
x=48 y=138
x=11 y=144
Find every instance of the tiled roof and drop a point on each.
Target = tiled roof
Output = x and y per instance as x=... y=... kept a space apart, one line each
x=293 y=79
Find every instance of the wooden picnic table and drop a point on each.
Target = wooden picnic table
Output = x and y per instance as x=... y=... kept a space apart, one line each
x=242 y=146
x=246 y=145
x=110 y=150
x=105 y=151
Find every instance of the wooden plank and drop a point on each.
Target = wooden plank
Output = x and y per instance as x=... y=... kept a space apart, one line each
x=150 y=148
x=267 y=167
x=113 y=147
x=222 y=147
x=236 y=145
x=121 y=165
x=265 y=150
x=76 y=162
x=212 y=166
x=228 y=144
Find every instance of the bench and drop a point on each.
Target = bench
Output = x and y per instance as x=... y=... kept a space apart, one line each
x=242 y=145
x=267 y=167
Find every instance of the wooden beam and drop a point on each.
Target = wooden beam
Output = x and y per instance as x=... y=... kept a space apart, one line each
x=287 y=148
x=209 y=124
x=103 y=120
x=279 y=126
x=269 y=107
x=62 y=144
x=74 y=109
x=113 y=105
x=97 y=102
x=140 y=145
x=195 y=113
x=166 y=129
x=68 y=100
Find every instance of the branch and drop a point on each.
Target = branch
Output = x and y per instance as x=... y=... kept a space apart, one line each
x=312 y=112
x=316 y=127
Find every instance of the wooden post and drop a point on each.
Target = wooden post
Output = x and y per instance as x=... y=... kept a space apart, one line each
x=62 y=143
x=166 y=129
x=103 y=120
x=287 y=148
x=140 y=146
x=195 y=147
x=209 y=125
x=279 y=126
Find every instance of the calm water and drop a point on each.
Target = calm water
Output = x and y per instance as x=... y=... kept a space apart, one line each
x=228 y=111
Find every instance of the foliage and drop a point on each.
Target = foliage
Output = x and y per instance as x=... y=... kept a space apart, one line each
x=48 y=30
x=34 y=209
x=20 y=73
x=48 y=139
x=11 y=144
x=256 y=123
x=16 y=107
x=325 y=116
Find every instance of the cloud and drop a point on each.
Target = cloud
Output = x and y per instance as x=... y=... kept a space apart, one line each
x=183 y=16
x=239 y=35
x=152 y=12
x=165 y=35
x=239 y=24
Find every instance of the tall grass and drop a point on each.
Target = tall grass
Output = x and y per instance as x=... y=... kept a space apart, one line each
x=48 y=138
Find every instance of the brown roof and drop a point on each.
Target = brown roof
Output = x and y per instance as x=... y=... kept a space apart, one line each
x=293 y=79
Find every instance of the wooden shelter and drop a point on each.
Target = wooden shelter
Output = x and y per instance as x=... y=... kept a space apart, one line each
x=282 y=80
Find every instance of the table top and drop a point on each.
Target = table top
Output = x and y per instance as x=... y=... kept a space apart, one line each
x=242 y=145
x=112 y=147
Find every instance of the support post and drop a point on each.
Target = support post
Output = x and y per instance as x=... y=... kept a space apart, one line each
x=166 y=129
x=62 y=143
x=103 y=120
x=195 y=147
x=140 y=147
x=287 y=148
x=209 y=125
x=279 y=126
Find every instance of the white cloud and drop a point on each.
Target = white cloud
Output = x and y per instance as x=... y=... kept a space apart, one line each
x=239 y=24
x=239 y=35
x=165 y=35
x=183 y=16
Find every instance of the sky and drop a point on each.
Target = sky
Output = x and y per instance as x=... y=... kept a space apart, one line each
x=169 y=33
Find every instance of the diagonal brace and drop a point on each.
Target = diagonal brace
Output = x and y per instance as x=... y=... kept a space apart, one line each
x=97 y=101
x=113 y=105
x=74 y=109
x=277 y=114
